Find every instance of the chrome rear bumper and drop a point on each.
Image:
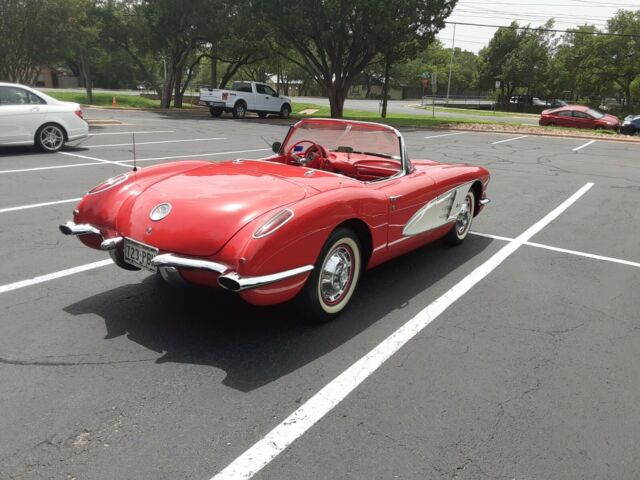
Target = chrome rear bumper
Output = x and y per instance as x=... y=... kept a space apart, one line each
x=168 y=263
x=228 y=280
x=237 y=283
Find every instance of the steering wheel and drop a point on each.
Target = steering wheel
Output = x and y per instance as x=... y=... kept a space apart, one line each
x=312 y=158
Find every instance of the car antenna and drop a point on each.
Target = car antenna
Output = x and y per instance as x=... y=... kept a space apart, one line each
x=135 y=168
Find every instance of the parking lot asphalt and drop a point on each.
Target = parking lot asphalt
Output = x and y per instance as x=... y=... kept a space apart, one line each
x=530 y=374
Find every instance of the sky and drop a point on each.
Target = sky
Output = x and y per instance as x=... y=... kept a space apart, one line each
x=567 y=13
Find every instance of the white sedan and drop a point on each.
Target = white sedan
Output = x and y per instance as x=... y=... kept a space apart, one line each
x=29 y=117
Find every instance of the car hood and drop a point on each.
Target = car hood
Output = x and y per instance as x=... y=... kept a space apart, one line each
x=209 y=205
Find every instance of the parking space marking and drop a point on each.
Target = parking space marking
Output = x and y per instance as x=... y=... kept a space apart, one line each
x=563 y=250
x=446 y=135
x=577 y=149
x=54 y=167
x=113 y=162
x=295 y=425
x=99 y=162
x=154 y=143
x=36 y=205
x=509 y=140
x=52 y=276
x=195 y=156
x=145 y=132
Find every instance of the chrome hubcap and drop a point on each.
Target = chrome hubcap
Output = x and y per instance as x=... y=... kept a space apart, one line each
x=51 y=138
x=464 y=217
x=335 y=277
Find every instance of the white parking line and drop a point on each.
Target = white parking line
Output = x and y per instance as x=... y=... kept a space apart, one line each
x=509 y=140
x=446 y=135
x=52 y=276
x=154 y=143
x=294 y=426
x=36 y=205
x=577 y=149
x=564 y=250
x=189 y=156
x=113 y=162
x=198 y=155
x=142 y=132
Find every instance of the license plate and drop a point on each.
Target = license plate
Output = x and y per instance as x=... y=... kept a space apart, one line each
x=139 y=254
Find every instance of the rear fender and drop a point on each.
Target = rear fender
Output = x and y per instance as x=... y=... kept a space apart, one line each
x=102 y=209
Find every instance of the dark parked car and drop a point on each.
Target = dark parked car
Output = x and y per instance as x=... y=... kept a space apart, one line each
x=578 y=116
x=631 y=125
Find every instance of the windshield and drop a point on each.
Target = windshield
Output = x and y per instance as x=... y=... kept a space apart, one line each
x=595 y=113
x=347 y=136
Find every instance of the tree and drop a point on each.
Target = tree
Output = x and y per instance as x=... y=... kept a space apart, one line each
x=517 y=57
x=337 y=39
x=31 y=34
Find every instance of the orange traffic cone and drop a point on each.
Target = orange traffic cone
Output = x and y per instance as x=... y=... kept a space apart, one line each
x=114 y=103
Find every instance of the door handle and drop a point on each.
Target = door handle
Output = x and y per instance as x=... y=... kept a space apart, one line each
x=267 y=98
x=35 y=109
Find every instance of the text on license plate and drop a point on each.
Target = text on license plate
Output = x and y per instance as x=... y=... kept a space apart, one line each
x=139 y=254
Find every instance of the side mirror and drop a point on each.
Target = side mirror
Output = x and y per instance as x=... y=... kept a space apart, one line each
x=276 y=147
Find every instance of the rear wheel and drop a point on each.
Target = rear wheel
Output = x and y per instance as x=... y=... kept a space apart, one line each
x=332 y=282
x=463 y=221
x=285 y=111
x=50 y=138
x=239 y=110
x=216 y=111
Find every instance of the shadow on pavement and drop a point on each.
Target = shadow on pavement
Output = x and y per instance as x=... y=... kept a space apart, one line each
x=257 y=345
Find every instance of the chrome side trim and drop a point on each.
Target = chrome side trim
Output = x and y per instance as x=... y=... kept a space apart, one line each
x=485 y=201
x=71 y=228
x=437 y=212
x=171 y=260
x=111 y=243
x=237 y=283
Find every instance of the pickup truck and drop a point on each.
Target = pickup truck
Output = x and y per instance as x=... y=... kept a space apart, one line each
x=245 y=97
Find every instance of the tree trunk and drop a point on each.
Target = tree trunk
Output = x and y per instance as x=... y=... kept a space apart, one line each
x=336 y=93
x=177 y=90
x=214 y=68
x=87 y=77
x=167 y=89
x=385 y=88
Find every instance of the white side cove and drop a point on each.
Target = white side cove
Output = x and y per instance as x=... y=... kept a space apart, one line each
x=438 y=212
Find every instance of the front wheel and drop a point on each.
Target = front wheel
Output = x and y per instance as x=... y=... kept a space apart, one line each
x=50 y=138
x=332 y=282
x=285 y=111
x=463 y=221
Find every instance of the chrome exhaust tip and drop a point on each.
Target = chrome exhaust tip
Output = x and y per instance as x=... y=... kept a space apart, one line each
x=71 y=228
x=229 y=283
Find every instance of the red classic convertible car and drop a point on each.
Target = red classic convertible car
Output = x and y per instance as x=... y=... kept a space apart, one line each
x=337 y=197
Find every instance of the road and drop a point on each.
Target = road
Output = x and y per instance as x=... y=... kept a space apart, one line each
x=529 y=372
x=404 y=107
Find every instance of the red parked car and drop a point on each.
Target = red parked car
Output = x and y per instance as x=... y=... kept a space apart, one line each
x=578 y=116
x=338 y=197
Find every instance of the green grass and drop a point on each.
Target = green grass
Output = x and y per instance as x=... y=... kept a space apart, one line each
x=484 y=113
x=104 y=99
x=395 y=119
